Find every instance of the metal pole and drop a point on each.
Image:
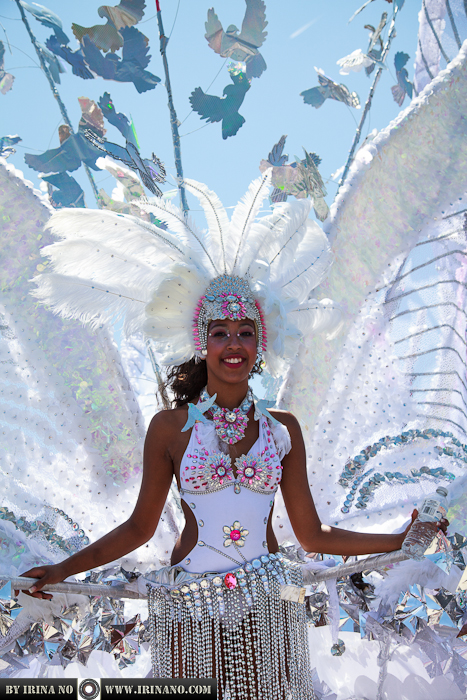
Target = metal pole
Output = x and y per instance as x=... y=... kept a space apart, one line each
x=372 y=563
x=56 y=95
x=91 y=589
x=173 y=115
x=391 y=35
x=368 y=564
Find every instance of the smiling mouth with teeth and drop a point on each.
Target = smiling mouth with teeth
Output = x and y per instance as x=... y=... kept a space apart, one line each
x=233 y=360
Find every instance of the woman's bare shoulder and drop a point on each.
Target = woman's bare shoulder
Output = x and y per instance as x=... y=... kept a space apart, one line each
x=286 y=418
x=168 y=423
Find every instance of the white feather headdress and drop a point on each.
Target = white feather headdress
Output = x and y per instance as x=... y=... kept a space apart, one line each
x=108 y=266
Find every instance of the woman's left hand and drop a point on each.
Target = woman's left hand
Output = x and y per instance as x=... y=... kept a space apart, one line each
x=441 y=525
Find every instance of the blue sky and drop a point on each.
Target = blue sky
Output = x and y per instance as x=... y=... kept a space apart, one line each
x=301 y=34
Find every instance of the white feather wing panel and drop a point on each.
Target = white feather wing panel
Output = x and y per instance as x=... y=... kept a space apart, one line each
x=217 y=220
x=93 y=303
x=243 y=217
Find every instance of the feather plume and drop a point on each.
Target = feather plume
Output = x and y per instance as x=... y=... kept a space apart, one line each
x=74 y=297
x=111 y=228
x=173 y=217
x=315 y=316
x=216 y=217
x=286 y=230
x=312 y=261
x=243 y=216
x=97 y=262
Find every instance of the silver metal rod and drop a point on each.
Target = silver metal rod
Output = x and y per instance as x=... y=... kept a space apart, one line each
x=368 y=564
x=372 y=563
x=91 y=589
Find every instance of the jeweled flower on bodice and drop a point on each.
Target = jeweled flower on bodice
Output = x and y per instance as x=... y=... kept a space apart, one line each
x=217 y=467
x=234 y=534
x=250 y=469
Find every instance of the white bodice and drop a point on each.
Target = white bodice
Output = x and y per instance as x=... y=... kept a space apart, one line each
x=231 y=502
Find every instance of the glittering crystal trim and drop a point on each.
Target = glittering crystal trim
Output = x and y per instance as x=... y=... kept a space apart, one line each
x=351 y=475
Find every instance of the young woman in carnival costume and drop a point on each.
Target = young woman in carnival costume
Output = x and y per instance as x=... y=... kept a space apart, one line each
x=218 y=305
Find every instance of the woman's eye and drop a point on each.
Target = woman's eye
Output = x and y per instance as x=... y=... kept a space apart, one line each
x=220 y=334
x=246 y=334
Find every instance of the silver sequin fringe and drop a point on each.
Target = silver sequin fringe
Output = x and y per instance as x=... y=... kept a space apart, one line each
x=237 y=628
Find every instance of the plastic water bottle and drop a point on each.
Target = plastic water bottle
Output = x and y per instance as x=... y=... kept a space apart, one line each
x=421 y=535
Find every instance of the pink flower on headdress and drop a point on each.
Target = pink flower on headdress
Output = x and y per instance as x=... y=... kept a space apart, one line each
x=233 y=307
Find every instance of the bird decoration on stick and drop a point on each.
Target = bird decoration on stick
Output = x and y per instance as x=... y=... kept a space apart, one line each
x=223 y=109
x=151 y=172
x=241 y=46
x=67 y=192
x=327 y=88
x=48 y=19
x=74 y=149
x=117 y=119
x=404 y=86
x=300 y=179
x=6 y=79
x=108 y=37
x=128 y=69
x=309 y=183
x=6 y=145
x=397 y=4
x=358 y=59
x=375 y=46
x=278 y=158
x=74 y=58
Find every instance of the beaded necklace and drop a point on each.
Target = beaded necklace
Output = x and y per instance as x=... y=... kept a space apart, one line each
x=230 y=424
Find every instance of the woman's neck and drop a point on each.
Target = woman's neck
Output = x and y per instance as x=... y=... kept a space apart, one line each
x=228 y=395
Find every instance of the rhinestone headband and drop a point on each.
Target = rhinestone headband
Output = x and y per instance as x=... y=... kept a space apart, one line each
x=229 y=297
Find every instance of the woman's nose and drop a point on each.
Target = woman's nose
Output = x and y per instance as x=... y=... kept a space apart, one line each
x=234 y=340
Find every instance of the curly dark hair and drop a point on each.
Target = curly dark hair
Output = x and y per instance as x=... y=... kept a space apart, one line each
x=187 y=380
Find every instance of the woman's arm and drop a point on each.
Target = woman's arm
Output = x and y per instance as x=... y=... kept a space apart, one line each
x=310 y=532
x=140 y=526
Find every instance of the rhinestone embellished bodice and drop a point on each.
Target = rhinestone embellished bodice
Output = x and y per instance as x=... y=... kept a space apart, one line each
x=231 y=501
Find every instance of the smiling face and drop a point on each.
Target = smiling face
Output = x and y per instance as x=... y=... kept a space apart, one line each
x=231 y=349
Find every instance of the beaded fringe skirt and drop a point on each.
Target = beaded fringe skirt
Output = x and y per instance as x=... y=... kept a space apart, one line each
x=247 y=628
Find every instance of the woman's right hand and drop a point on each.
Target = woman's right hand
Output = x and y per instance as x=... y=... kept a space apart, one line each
x=47 y=575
